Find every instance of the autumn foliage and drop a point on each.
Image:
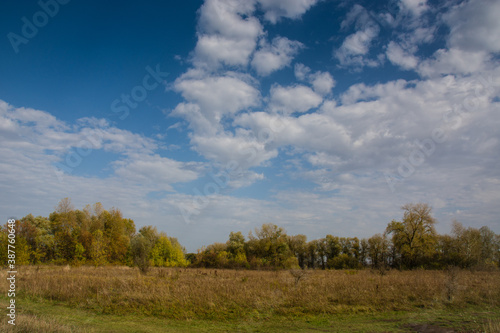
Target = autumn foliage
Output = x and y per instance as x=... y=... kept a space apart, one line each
x=90 y=236
x=98 y=237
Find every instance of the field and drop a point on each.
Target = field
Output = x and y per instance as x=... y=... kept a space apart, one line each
x=121 y=299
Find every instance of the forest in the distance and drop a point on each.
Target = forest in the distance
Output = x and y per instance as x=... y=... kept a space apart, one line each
x=98 y=237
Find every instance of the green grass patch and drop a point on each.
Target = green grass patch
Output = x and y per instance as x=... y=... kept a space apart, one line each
x=60 y=317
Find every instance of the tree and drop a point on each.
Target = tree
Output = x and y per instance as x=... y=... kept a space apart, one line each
x=378 y=247
x=79 y=251
x=215 y=255
x=65 y=245
x=141 y=246
x=298 y=246
x=167 y=252
x=64 y=206
x=414 y=237
x=474 y=247
x=331 y=249
x=270 y=246
x=363 y=252
x=236 y=249
x=312 y=253
x=98 y=248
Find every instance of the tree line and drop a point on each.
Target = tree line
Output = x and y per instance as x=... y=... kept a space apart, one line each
x=96 y=236
x=92 y=235
x=407 y=244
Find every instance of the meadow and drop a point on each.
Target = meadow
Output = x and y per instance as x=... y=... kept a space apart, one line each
x=121 y=299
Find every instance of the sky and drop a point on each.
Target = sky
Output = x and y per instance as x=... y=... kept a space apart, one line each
x=206 y=117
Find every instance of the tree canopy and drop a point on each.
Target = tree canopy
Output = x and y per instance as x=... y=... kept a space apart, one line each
x=97 y=236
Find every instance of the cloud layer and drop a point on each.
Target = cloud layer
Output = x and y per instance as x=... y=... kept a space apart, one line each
x=286 y=140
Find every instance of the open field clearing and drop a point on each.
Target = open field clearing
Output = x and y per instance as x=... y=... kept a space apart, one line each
x=66 y=299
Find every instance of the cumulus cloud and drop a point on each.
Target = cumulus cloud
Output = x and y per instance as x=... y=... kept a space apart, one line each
x=197 y=120
x=37 y=163
x=474 y=26
x=276 y=9
x=218 y=95
x=321 y=82
x=453 y=61
x=154 y=171
x=296 y=131
x=212 y=49
x=227 y=33
x=399 y=57
x=43 y=131
x=279 y=54
x=225 y=148
x=293 y=99
x=357 y=45
x=415 y=7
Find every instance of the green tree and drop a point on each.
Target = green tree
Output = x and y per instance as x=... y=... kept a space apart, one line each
x=298 y=246
x=141 y=246
x=363 y=252
x=236 y=250
x=378 y=249
x=270 y=245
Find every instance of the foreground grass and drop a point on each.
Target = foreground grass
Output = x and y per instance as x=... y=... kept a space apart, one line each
x=120 y=299
x=47 y=316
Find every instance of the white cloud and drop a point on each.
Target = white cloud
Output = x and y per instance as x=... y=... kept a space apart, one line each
x=359 y=42
x=453 y=61
x=244 y=151
x=212 y=49
x=415 y=7
x=197 y=120
x=475 y=26
x=275 y=9
x=356 y=46
x=302 y=72
x=154 y=171
x=293 y=99
x=321 y=82
x=227 y=33
x=279 y=54
x=218 y=95
x=226 y=17
x=297 y=132
x=42 y=131
x=399 y=57
x=244 y=179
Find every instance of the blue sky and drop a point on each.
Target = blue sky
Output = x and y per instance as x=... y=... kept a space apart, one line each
x=205 y=117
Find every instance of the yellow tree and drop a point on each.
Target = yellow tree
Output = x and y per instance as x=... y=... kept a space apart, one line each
x=98 y=248
x=414 y=237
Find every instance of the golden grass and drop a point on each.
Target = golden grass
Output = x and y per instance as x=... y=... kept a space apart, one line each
x=229 y=294
x=26 y=323
x=492 y=326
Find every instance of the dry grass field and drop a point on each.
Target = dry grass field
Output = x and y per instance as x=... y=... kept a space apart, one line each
x=188 y=295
